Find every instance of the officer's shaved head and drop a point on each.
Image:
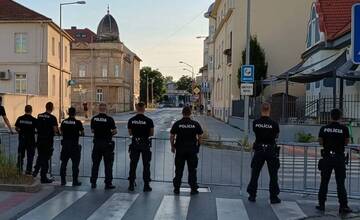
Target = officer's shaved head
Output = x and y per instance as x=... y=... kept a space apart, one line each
x=102 y=107
x=265 y=109
x=186 y=111
x=28 y=109
x=140 y=107
x=336 y=114
x=49 y=106
x=72 y=111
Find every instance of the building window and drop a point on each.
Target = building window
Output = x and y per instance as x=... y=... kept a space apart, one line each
x=104 y=71
x=53 y=85
x=21 y=42
x=20 y=83
x=59 y=49
x=53 y=46
x=99 y=95
x=329 y=82
x=317 y=84
x=117 y=70
x=66 y=54
x=313 y=29
x=350 y=83
x=82 y=70
x=308 y=85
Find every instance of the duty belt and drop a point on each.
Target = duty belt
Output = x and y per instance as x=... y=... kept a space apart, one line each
x=330 y=153
x=264 y=147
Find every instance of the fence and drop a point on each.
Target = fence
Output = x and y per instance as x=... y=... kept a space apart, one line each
x=223 y=163
x=304 y=110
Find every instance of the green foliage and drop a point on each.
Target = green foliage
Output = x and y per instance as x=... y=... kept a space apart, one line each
x=245 y=143
x=185 y=83
x=9 y=173
x=159 y=84
x=258 y=59
x=303 y=137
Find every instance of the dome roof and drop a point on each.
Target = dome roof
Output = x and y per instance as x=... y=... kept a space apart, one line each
x=209 y=11
x=108 y=29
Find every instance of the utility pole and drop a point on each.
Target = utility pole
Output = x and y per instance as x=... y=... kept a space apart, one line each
x=147 y=91
x=248 y=37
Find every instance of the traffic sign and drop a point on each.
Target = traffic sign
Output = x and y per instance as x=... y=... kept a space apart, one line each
x=355 y=38
x=247 y=73
x=247 y=89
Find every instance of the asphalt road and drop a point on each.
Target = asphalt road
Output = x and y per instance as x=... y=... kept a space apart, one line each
x=216 y=166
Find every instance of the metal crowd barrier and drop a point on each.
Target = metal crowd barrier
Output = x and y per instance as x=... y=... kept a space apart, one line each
x=222 y=163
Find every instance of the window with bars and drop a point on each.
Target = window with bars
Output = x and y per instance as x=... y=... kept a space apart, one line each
x=20 y=83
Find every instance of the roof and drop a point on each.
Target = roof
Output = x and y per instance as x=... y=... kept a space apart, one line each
x=335 y=17
x=108 y=30
x=12 y=11
x=81 y=35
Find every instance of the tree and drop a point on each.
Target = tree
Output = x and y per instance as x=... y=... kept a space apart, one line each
x=258 y=59
x=169 y=79
x=159 y=84
x=185 y=83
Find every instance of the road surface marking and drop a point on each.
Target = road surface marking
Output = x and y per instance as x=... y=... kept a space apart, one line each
x=287 y=210
x=201 y=189
x=173 y=207
x=115 y=207
x=53 y=207
x=231 y=209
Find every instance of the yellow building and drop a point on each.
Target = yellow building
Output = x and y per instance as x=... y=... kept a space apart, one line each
x=30 y=61
x=104 y=69
x=280 y=27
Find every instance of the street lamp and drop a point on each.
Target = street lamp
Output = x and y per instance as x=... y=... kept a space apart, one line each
x=61 y=56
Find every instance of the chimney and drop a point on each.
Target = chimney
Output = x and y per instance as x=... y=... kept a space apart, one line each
x=73 y=27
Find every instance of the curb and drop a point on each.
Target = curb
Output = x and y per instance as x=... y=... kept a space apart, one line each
x=33 y=188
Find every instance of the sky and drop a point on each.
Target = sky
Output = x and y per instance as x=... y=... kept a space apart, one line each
x=160 y=32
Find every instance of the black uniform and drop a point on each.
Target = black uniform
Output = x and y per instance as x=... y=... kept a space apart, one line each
x=45 y=141
x=70 y=129
x=333 y=158
x=102 y=125
x=26 y=126
x=140 y=126
x=265 y=149
x=2 y=111
x=187 y=148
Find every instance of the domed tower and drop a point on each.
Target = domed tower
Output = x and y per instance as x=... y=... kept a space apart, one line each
x=108 y=30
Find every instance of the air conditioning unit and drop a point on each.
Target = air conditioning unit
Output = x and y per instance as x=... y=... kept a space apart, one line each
x=5 y=75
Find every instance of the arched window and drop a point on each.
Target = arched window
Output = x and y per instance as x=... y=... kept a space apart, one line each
x=313 y=29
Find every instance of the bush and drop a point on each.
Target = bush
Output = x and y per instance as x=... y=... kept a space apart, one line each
x=245 y=143
x=303 y=137
x=9 y=173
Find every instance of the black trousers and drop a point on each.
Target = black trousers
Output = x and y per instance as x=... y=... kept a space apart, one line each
x=134 y=159
x=191 y=159
x=273 y=163
x=326 y=166
x=102 y=149
x=26 y=146
x=70 y=150
x=45 y=150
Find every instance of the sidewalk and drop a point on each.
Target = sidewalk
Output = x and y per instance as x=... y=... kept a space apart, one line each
x=219 y=130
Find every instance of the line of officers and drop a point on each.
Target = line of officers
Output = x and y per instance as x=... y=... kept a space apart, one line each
x=185 y=138
x=185 y=141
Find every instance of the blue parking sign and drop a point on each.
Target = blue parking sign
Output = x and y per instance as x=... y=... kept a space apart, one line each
x=355 y=38
x=247 y=73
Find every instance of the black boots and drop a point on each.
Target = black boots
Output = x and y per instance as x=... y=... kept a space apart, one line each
x=275 y=200
x=131 y=187
x=147 y=187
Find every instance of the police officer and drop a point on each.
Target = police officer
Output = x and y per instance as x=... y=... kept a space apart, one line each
x=140 y=128
x=47 y=127
x=265 y=149
x=333 y=137
x=3 y=115
x=103 y=127
x=185 y=139
x=71 y=129
x=25 y=125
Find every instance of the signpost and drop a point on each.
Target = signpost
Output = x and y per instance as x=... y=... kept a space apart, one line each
x=355 y=38
x=248 y=74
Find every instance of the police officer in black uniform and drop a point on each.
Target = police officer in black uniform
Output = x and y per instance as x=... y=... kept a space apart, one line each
x=333 y=137
x=3 y=115
x=47 y=127
x=71 y=129
x=265 y=149
x=103 y=127
x=185 y=139
x=140 y=128
x=26 y=125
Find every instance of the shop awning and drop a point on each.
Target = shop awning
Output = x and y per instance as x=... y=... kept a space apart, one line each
x=349 y=71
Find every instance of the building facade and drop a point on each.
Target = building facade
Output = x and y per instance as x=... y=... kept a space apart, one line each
x=30 y=61
x=104 y=69
x=280 y=28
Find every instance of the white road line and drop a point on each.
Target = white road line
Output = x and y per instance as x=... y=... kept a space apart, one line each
x=287 y=210
x=115 y=207
x=173 y=207
x=231 y=209
x=53 y=207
